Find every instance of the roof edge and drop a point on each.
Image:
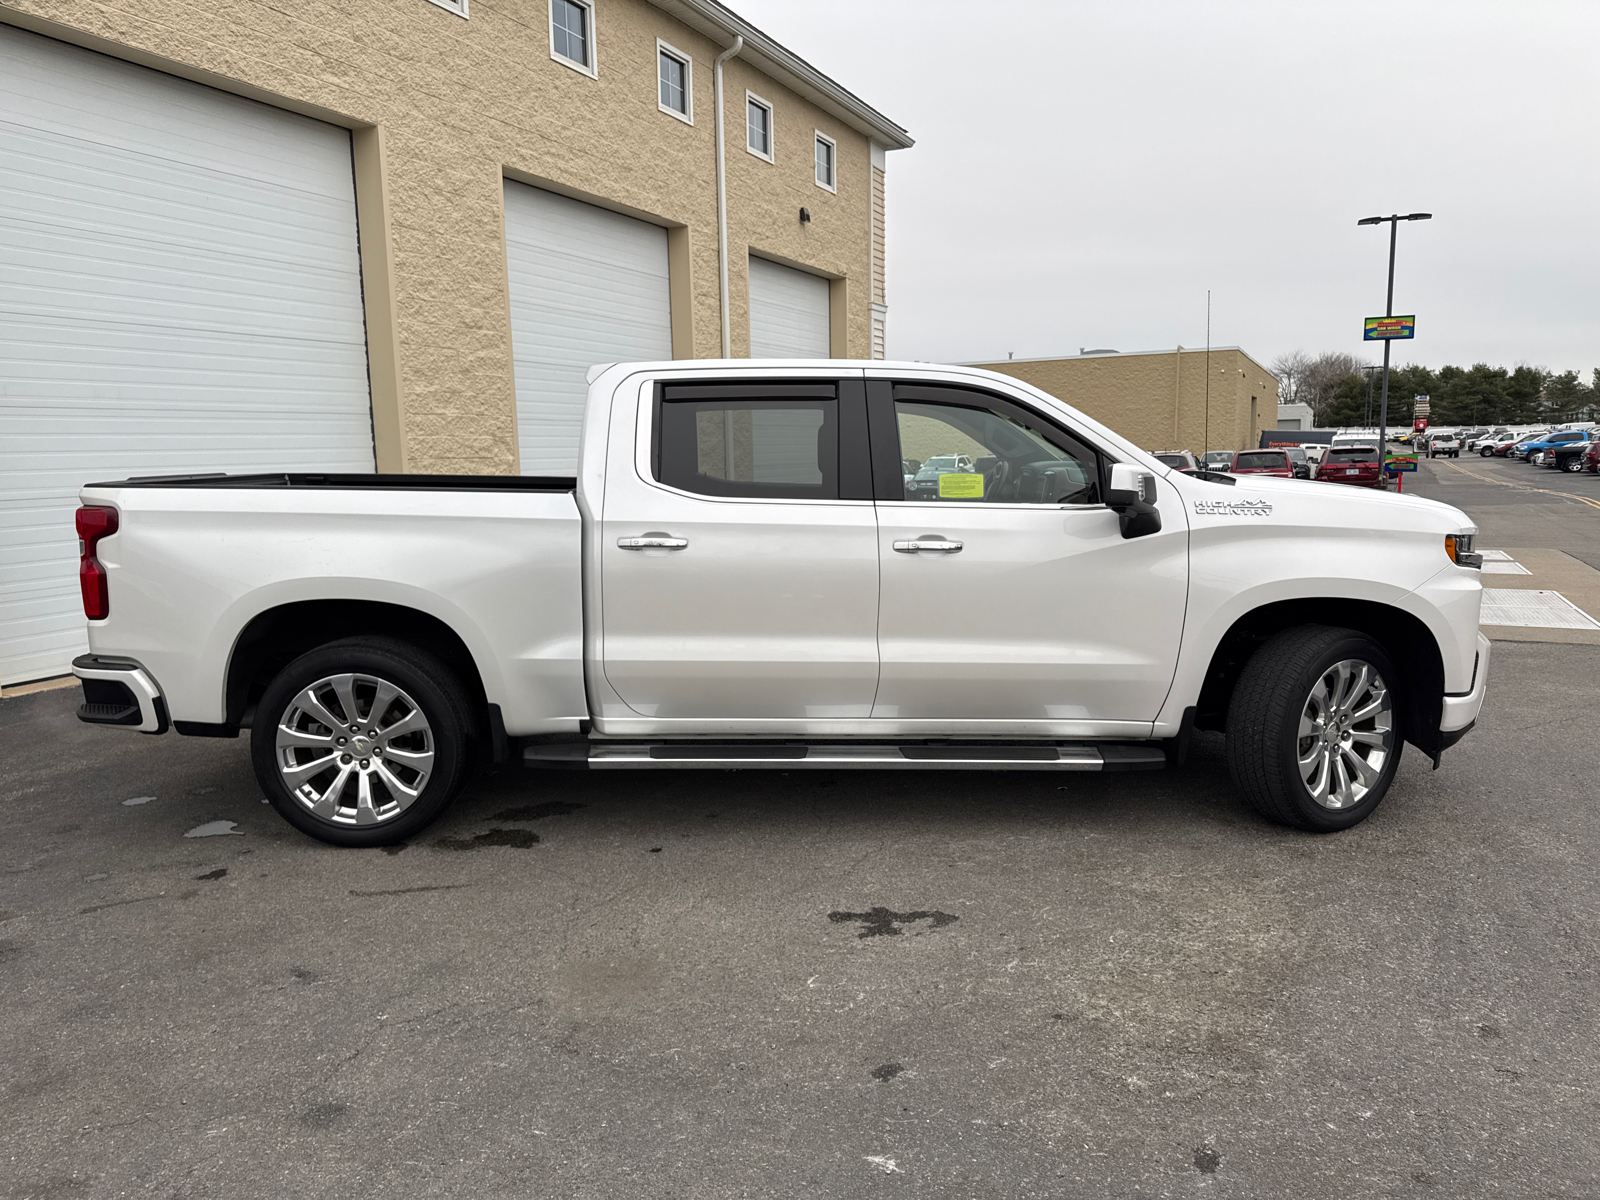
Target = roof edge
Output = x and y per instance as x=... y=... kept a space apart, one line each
x=719 y=22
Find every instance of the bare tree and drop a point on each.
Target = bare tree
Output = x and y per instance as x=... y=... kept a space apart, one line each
x=1290 y=369
x=1321 y=379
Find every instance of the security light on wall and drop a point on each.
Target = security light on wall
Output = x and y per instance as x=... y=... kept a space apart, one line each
x=805 y=216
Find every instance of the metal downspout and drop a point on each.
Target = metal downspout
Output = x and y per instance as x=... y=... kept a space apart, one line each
x=722 y=195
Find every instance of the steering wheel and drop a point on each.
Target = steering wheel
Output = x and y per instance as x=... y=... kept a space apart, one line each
x=998 y=475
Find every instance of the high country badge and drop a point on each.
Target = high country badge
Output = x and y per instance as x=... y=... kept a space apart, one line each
x=1233 y=508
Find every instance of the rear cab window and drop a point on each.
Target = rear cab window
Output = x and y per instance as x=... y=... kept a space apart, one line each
x=762 y=440
x=1262 y=460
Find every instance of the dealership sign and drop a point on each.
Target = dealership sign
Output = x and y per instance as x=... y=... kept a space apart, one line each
x=1385 y=329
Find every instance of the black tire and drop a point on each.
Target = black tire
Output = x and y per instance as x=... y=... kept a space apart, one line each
x=1263 y=742
x=423 y=682
x=1574 y=464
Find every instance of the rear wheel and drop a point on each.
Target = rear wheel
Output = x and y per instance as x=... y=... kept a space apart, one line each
x=1314 y=733
x=362 y=742
x=1573 y=464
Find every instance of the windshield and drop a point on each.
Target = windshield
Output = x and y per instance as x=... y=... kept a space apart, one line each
x=1296 y=454
x=1353 y=454
x=1173 y=460
x=1262 y=461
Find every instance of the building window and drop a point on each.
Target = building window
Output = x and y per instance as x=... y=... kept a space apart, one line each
x=459 y=7
x=827 y=169
x=675 y=82
x=758 y=126
x=572 y=34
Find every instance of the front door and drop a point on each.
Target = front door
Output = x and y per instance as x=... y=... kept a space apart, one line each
x=1008 y=592
x=739 y=559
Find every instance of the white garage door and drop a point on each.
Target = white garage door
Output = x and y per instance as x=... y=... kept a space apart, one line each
x=179 y=291
x=587 y=286
x=788 y=312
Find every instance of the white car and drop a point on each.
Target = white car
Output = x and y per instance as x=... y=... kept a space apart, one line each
x=734 y=577
x=1447 y=444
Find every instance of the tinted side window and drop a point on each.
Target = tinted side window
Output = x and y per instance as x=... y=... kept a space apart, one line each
x=778 y=448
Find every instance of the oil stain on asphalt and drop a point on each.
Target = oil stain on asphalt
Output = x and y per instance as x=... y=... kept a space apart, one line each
x=881 y=922
x=517 y=839
x=535 y=812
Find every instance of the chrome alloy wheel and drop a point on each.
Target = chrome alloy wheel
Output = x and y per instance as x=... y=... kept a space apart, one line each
x=1346 y=734
x=354 y=749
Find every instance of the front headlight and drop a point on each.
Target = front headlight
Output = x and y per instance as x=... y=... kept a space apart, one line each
x=1459 y=547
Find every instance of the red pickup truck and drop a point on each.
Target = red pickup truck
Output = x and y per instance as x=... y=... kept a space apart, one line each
x=1262 y=462
x=1357 y=465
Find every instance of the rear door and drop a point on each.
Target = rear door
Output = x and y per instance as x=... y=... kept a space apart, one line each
x=1009 y=593
x=738 y=554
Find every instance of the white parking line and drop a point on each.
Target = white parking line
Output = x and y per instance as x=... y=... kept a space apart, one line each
x=1531 y=609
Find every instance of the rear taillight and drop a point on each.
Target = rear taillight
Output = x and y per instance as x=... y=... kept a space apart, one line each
x=94 y=523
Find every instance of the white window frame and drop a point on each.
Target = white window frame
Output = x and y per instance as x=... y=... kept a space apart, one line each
x=459 y=7
x=833 y=161
x=672 y=51
x=592 y=67
x=772 y=127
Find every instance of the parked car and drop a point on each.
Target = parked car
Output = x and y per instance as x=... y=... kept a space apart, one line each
x=390 y=633
x=924 y=485
x=1178 y=460
x=1357 y=465
x=1542 y=445
x=1446 y=444
x=1298 y=461
x=1262 y=462
x=1314 y=451
x=1572 y=455
x=1591 y=457
x=1509 y=449
x=1486 y=440
x=1217 y=460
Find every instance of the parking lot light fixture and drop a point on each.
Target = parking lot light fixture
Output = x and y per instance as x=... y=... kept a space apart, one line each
x=1388 y=311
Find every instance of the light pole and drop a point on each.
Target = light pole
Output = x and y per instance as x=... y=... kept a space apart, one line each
x=1388 y=311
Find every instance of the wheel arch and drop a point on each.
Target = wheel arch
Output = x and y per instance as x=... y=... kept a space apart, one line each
x=1405 y=638
x=275 y=637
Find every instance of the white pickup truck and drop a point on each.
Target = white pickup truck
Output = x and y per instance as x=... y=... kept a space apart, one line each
x=736 y=579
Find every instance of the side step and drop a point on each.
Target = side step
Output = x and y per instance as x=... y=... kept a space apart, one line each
x=1060 y=756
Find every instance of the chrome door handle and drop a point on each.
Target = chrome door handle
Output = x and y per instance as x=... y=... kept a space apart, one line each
x=652 y=543
x=931 y=545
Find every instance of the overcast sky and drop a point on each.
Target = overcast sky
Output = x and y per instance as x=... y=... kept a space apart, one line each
x=1085 y=170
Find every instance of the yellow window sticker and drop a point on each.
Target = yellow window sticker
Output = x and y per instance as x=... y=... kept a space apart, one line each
x=960 y=487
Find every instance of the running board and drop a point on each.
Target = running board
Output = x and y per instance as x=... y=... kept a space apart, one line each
x=1063 y=756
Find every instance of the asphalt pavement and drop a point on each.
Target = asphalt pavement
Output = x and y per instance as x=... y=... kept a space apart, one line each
x=742 y=984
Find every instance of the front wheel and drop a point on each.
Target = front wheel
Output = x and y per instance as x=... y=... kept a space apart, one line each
x=1314 y=732
x=1573 y=465
x=362 y=742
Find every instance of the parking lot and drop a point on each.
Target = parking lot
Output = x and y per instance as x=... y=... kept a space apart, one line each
x=816 y=984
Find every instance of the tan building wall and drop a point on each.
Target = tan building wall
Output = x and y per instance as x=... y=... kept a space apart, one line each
x=443 y=109
x=1158 y=399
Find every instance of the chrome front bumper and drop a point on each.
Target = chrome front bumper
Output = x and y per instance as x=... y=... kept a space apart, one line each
x=118 y=691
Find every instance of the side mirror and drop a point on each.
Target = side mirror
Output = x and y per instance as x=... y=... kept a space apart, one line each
x=1132 y=496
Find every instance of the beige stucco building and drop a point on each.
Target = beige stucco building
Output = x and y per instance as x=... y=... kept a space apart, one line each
x=1162 y=399
x=446 y=103
x=250 y=236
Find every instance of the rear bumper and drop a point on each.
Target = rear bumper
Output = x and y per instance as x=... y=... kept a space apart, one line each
x=118 y=691
x=1461 y=711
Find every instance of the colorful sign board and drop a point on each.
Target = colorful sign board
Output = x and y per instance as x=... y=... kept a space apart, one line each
x=1420 y=425
x=1396 y=463
x=1387 y=329
x=1420 y=405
